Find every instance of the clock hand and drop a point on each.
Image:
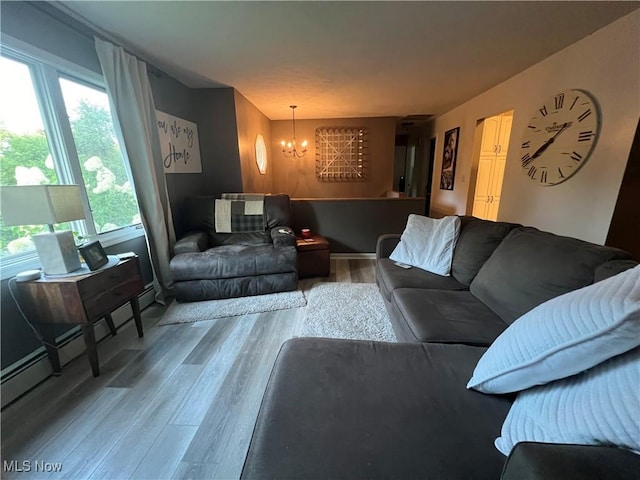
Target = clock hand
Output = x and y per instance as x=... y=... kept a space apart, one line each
x=546 y=144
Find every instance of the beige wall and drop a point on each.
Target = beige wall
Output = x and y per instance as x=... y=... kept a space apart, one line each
x=297 y=176
x=251 y=122
x=607 y=64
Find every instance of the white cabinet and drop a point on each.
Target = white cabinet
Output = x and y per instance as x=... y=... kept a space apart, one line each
x=493 y=156
x=504 y=133
x=490 y=136
x=486 y=200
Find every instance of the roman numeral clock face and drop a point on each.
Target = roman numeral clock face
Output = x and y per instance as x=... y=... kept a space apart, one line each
x=560 y=137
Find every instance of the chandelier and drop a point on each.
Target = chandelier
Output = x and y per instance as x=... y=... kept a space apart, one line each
x=289 y=149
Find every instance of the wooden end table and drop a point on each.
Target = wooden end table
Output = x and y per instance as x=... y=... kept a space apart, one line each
x=82 y=300
x=313 y=256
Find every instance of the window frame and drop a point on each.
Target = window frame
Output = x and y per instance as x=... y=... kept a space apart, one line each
x=46 y=70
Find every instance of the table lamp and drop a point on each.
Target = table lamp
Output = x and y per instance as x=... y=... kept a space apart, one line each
x=46 y=204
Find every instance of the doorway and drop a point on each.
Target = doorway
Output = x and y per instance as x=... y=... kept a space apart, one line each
x=491 y=156
x=414 y=159
x=430 y=159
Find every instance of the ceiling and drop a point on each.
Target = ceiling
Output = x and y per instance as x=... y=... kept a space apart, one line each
x=346 y=59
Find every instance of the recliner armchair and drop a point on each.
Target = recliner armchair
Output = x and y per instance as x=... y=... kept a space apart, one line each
x=208 y=265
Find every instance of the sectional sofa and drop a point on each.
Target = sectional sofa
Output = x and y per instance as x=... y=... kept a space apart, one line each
x=358 y=409
x=499 y=272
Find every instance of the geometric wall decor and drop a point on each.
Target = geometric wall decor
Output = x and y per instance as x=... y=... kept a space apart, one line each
x=341 y=154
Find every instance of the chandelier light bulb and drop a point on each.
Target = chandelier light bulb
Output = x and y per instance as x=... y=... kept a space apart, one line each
x=289 y=148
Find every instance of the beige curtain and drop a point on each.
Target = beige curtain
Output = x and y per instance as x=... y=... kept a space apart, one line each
x=135 y=123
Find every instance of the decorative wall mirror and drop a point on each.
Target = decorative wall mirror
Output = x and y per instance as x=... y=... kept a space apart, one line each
x=261 y=154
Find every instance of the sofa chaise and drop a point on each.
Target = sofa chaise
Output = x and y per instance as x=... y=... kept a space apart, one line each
x=208 y=265
x=362 y=409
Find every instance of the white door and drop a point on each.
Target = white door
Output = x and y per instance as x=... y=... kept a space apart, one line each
x=491 y=165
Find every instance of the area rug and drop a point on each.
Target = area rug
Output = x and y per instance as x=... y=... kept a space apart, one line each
x=347 y=310
x=231 y=307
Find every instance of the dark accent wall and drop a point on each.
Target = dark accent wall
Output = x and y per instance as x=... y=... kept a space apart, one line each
x=214 y=113
x=354 y=225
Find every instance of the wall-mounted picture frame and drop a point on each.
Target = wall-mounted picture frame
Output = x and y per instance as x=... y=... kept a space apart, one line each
x=94 y=255
x=449 y=157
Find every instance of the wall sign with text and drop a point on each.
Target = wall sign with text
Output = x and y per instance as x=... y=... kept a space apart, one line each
x=179 y=143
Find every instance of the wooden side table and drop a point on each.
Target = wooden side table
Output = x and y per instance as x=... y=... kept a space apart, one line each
x=313 y=256
x=82 y=300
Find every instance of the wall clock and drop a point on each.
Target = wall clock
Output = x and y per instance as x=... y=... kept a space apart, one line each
x=559 y=137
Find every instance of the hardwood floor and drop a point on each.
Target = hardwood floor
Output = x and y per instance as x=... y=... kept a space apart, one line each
x=179 y=403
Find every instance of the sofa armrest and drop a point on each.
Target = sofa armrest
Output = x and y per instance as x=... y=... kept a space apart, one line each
x=191 y=242
x=386 y=244
x=283 y=237
x=549 y=461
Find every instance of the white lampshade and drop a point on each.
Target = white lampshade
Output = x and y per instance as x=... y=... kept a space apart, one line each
x=46 y=204
x=40 y=204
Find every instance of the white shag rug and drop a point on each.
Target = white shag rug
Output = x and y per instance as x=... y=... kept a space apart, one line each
x=231 y=307
x=347 y=310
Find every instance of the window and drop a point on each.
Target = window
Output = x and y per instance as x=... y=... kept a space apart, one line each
x=110 y=194
x=56 y=127
x=25 y=157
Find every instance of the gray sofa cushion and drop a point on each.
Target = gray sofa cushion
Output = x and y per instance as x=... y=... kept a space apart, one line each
x=241 y=238
x=544 y=461
x=612 y=268
x=353 y=409
x=391 y=277
x=231 y=261
x=477 y=241
x=530 y=267
x=277 y=211
x=443 y=317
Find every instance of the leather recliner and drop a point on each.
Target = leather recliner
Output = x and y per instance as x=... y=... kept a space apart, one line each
x=208 y=265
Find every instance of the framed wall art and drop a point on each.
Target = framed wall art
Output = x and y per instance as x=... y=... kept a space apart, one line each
x=179 y=144
x=449 y=157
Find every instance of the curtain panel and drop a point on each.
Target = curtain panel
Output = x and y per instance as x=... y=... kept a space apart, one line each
x=135 y=123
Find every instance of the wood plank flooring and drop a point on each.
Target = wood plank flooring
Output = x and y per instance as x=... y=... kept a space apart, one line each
x=179 y=403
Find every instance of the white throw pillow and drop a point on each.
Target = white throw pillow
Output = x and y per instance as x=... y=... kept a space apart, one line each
x=599 y=406
x=428 y=243
x=564 y=336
